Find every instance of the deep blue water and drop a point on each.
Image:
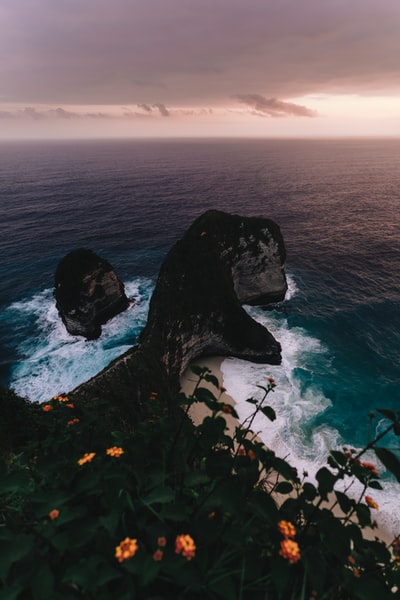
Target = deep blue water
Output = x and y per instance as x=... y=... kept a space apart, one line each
x=337 y=203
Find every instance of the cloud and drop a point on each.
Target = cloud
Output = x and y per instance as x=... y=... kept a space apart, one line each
x=197 y=53
x=271 y=107
x=164 y=112
x=60 y=113
x=31 y=113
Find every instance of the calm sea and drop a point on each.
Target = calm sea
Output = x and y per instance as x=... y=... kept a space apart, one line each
x=338 y=205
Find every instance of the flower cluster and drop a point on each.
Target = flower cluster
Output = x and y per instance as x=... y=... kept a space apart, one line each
x=289 y=548
x=115 y=451
x=126 y=549
x=271 y=382
x=184 y=544
x=53 y=514
x=47 y=407
x=159 y=553
x=87 y=457
x=153 y=396
x=61 y=398
x=73 y=421
x=371 y=468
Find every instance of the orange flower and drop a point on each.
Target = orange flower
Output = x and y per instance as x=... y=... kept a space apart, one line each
x=371 y=468
x=251 y=455
x=287 y=529
x=356 y=572
x=86 y=458
x=53 y=514
x=162 y=541
x=184 y=544
x=158 y=554
x=241 y=451
x=114 y=451
x=73 y=421
x=126 y=549
x=371 y=502
x=61 y=398
x=47 y=407
x=70 y=405
x=290 y=550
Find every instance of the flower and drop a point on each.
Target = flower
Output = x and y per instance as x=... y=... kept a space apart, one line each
x=115 y=451
x=158 y=554
x=126 y=549
x=287 y=529
x=221 y=389
x=371 y=502
x=290 y=550
x=47 y=407
x=70 y=405
x=73 y=421
x=86 y=458
x=251 y=455
x=53 y=514
x=61 y=398
x=271 y=382
x=371 y=468
x=184 y=544
x=153 y=395
x=162 y=541
x=226 y=408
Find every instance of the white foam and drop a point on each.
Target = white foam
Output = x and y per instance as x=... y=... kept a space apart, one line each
x=52 y=361
x=293 y=435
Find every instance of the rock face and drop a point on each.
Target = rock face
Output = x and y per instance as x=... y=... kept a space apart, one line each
x=222 y=262
x=88 y=293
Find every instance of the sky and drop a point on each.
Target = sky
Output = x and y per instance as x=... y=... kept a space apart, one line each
x=188 y=68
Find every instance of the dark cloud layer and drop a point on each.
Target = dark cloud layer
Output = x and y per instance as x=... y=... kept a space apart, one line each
x=201 y=52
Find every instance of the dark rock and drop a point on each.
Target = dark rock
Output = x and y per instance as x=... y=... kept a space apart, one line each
x=88 y=293
x=222 y=262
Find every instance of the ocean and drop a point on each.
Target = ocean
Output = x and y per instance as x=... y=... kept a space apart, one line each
x=338 y=205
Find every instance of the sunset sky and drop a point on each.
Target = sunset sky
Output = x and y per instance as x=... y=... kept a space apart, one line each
x=173 y=68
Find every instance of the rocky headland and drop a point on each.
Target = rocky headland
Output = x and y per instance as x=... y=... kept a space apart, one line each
x=222 y=262
x=88 y=293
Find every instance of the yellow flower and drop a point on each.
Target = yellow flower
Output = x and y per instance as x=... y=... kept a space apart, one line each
x=287 y=529
x=290 y=550
x=86 y=458
x=114 y=451
x=184 y=544
x=126 y=549
x=371 y=502
x=53 y=514
x=47 y=408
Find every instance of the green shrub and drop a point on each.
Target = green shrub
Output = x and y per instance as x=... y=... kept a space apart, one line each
x=179 y=511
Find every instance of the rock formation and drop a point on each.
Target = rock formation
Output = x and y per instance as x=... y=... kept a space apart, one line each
x=88 y=293
x=222 y=262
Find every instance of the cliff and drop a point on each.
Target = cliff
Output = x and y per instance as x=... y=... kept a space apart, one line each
x=222 y=262
x=88 y=293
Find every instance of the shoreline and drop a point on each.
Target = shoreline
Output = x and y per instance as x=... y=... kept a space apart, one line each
x=199 y=411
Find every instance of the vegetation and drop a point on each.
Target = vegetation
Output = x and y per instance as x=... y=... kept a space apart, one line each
x=182 y=511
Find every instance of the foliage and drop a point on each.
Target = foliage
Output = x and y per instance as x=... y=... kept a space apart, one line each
x=178 y=511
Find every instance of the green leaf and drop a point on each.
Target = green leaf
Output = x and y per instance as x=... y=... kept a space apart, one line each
x=212 y=379
x=284 y=487
x=344 y=502
x=43 y=583
x=252 y=400
x=375 y=485
x=269 y=412
x=389 y=414
x=162 y=495
x=326 y=481
x=390 y=461
x=200 y=371
x=12 y=549
x=339 y=458
x=16 y=482
x=309 y=491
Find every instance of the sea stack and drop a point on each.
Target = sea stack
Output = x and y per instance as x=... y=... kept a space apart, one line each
x=221 y=262
x=88 y=293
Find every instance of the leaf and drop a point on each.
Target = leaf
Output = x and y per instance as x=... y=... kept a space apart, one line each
x=43 y=583
x=162 y=495
x=339 y=458
x=269 y=412
x=326 y=481
x=212 y=379
x=284 y=487
x=252 y=400
x=390 y=461
x=375 y=485
x=344 y=502
x=309 y=491
x=200 y=371
x=389 y=414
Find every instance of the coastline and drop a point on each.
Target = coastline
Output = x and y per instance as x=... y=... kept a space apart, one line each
x=199 y=411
